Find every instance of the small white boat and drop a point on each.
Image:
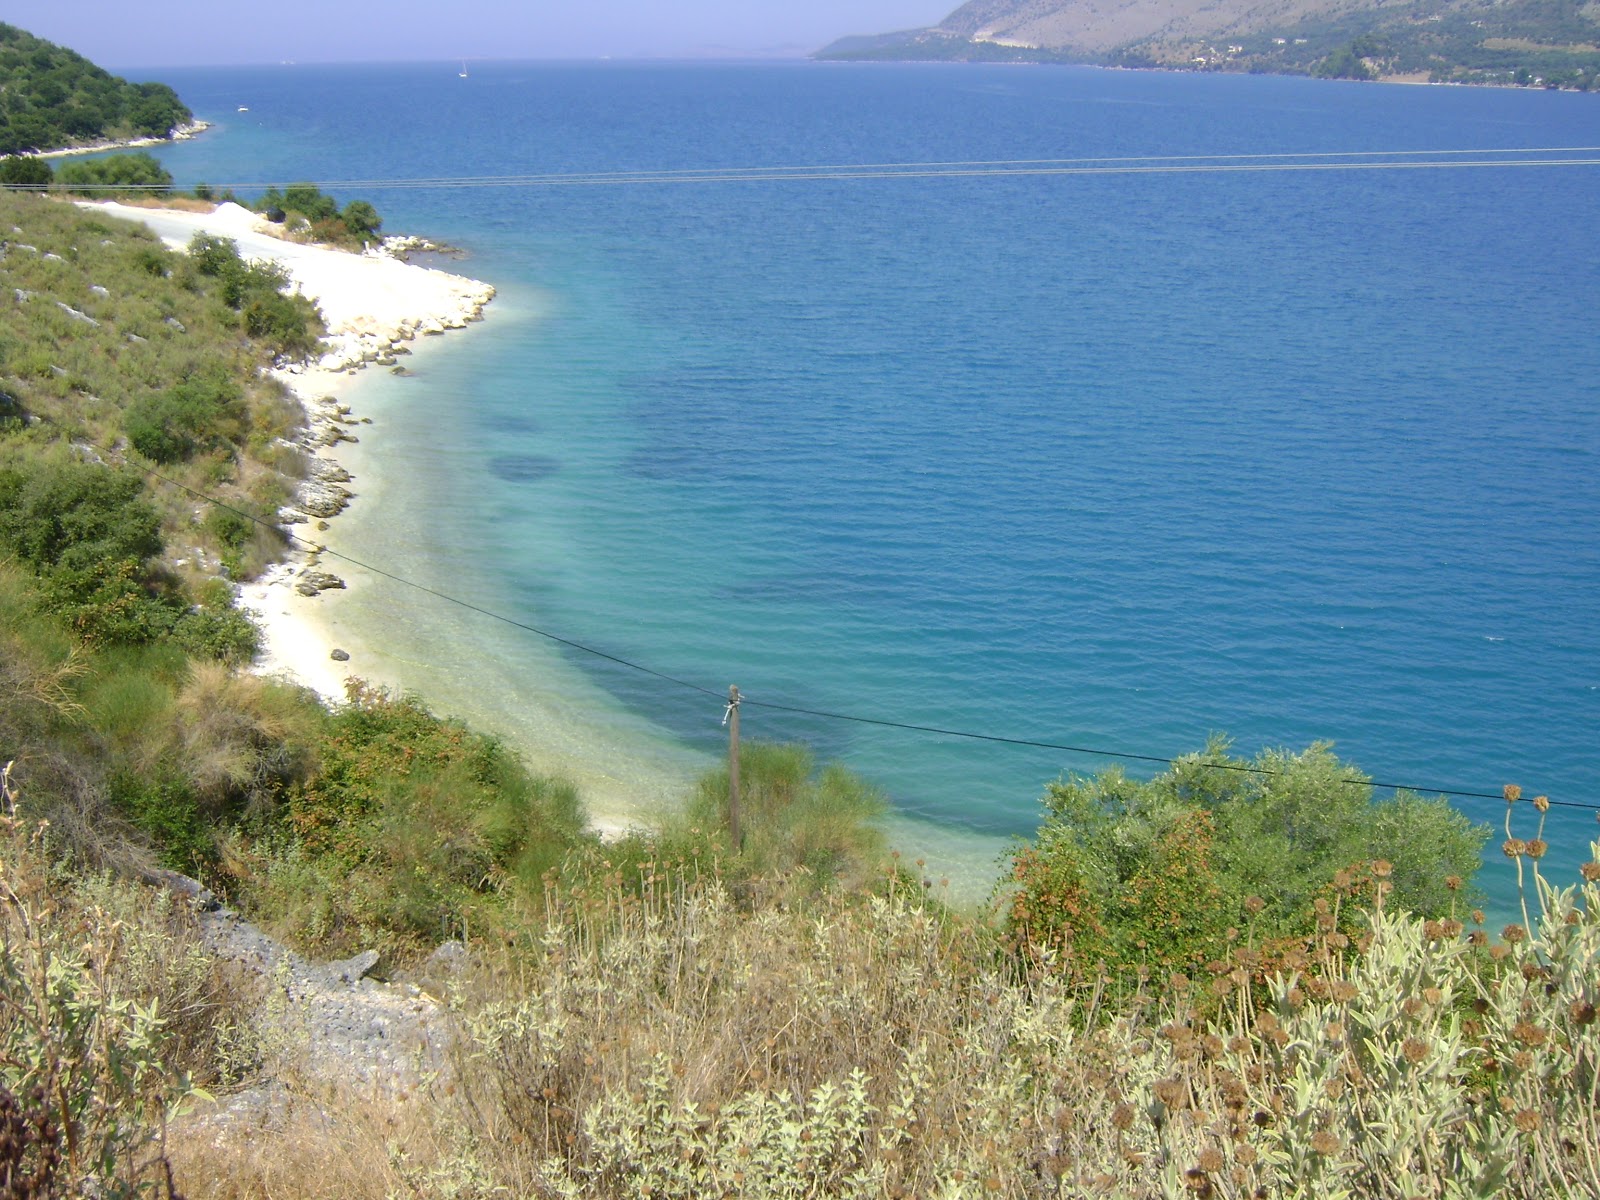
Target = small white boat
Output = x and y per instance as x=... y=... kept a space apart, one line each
x=463 y=69
x=244 y=108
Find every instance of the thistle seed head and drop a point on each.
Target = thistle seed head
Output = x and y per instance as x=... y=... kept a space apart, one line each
x=1529 y=1034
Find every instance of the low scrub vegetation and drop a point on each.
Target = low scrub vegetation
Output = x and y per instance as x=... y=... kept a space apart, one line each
x=1238 y=978
x=1138 y=876
x=305 y=210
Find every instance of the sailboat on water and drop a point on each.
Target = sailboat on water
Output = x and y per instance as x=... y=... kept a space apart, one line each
x=463 y=68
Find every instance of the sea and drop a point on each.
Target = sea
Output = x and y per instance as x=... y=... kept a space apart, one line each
x=1094 y=413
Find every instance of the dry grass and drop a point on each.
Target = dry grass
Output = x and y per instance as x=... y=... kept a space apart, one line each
x=652 y=1035
x=666 y=1044
x=313 y=1145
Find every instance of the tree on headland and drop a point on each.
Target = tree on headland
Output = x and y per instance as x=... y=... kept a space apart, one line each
x=361 y=219
x=54 y=98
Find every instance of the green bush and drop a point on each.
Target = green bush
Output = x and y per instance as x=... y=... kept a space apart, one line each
x=201 y=413
x=17 y=171
x=357 y=222
x=217 y=631
x=418 y=818
x=138 y=173
x=161 y=804
x=1153 y=874
x=793 y=816
x=256 y=291
x=361 y=219
x=75 y=515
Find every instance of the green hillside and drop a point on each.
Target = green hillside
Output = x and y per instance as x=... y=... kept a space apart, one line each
x=52 y=98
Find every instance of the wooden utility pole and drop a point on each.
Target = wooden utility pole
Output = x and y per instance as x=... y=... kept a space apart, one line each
x=733 y=767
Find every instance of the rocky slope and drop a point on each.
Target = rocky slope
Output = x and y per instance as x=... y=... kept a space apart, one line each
x=1553 y=43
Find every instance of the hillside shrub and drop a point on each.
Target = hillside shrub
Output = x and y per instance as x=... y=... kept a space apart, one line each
x=1165 y=874
x=256 y=291
x=75 y=515
x=138 y=174
x=203 y=412
x=794 y=816
x=411 y=821
x=106 y=1004
x=661 y=1042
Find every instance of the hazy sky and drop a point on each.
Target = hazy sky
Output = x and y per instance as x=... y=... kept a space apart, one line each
x=152 y=33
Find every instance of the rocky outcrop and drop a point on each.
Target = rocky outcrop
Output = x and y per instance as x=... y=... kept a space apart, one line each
x=371 y=340
x=349 y=1024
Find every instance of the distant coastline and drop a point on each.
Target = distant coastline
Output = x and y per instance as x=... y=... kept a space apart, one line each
x=180 y=134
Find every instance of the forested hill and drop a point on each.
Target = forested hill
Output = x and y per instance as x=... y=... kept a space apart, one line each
x=52 y=98
x=1538 y=43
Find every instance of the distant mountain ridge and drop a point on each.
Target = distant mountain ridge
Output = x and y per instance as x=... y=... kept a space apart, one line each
x=1549 y=43
x=52 y=98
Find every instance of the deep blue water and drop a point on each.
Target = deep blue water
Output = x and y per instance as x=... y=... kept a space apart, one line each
x=1112 y=461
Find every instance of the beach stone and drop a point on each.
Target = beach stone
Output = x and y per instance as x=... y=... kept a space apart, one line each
x=320 y=500
x=339 y=655
x=314 y=582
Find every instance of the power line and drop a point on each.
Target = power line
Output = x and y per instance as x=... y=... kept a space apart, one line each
x=774 y=706
x=1334 y=160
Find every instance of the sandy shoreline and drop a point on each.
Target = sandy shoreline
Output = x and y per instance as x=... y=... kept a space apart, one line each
x=374 y=306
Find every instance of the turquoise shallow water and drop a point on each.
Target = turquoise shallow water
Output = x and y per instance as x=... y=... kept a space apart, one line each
x=1111 y=461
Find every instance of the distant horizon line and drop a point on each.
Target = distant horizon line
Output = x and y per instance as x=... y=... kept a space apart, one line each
x=687 y=56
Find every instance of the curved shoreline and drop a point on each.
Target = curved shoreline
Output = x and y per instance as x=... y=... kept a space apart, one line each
x=382 y=312
x=180 y=133
x=373 y=305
